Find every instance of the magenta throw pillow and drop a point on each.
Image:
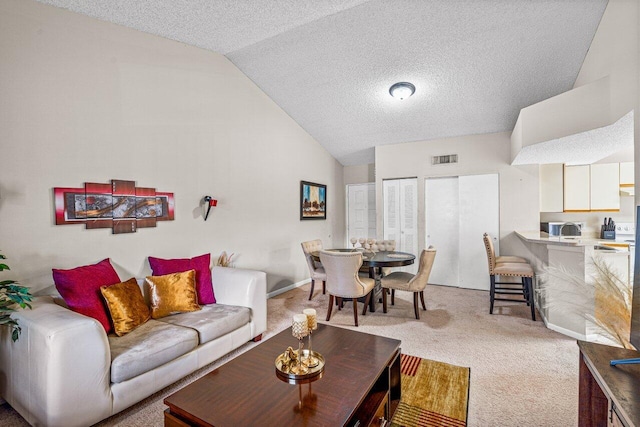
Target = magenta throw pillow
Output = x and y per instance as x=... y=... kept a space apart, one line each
x=204 y=285
x=80 y=289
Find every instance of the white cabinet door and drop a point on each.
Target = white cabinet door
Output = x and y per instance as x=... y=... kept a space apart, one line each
x=605 y=187
x=479 y=213
x=627 y=174
x=576 y=188
x=400 y=200
x=551 y=188
x=442 y=228
x=458 y=211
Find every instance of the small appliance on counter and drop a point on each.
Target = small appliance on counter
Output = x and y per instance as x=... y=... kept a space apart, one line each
x=608 y=229
x=562 y=228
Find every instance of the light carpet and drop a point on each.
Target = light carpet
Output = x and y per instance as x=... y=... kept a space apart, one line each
x=522 y=373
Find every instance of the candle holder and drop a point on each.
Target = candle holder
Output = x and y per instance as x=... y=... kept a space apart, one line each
x=312 y=324
x=299 y=329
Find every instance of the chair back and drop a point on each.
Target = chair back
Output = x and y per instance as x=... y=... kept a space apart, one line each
x=308 y=248
x=491 y=253
x=342 y=273
x=420 y=280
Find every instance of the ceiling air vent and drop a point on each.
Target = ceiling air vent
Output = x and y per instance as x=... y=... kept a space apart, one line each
x=441 y=160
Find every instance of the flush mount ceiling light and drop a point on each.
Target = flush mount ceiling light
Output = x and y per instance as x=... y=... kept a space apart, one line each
x=402 y=90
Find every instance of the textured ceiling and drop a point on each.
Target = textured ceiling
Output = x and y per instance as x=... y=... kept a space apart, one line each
x=329 y=64
x=583 y=148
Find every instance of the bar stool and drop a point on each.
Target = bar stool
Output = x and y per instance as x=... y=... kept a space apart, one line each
x=511 y=266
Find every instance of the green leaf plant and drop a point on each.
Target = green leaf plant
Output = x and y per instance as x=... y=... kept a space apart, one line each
x=12 y=295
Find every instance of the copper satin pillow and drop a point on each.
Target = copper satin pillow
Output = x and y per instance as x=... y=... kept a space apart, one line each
x=173 y=293
x=126 y=306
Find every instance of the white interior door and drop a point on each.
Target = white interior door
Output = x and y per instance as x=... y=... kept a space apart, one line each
x=458 y=210
x=361 y=211
x=442 y=228
x=479 y=197
x=400 y=200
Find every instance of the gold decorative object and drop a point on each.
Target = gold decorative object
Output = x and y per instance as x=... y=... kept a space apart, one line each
x=312 y=324
x=288 y=360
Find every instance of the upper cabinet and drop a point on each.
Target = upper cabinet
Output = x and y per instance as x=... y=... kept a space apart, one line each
x=582 y=188
x=577 y=196
x=626 y=174
x=605 y=187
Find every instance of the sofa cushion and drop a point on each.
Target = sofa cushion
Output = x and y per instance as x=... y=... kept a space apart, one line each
x=151 y=345
x=172 y=293
x=126 y=306
x=213 y=320
x=201 y=264
x=80 y=288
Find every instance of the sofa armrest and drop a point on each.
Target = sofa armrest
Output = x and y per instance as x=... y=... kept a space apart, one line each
x=247 y=288
x=58 y=372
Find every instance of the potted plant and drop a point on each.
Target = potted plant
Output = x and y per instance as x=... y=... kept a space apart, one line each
x=11 y=293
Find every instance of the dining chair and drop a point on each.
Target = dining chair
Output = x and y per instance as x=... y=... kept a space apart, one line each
x=315 y=268
x=509 y=266
x=343 y=280
x=403 y=281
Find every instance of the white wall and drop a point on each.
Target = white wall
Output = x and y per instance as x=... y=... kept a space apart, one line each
x=615 y=52
x=86 y=101
x=359 y=174
x=477 y=154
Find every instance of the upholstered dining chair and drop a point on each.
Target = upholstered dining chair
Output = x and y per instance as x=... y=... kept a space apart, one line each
x=403 y=281
x=509 y=266
x=343 y=280
x=315 y=268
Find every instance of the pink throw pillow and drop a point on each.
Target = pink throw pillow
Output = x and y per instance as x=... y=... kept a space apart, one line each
x=80 y=289
x=204 y=285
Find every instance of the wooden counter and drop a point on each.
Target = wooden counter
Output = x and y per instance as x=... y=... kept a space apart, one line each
x=608 y=395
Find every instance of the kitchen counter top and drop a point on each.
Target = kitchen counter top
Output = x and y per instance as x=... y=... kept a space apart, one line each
x=563 y=266
x=544 y=238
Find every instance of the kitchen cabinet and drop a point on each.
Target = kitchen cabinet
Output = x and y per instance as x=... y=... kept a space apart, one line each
x=551 y=187
x=593 y=187
x=626 y=174
x=605 y=187
x=576 y=188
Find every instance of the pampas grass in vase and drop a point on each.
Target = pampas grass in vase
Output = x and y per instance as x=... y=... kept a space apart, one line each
x=604 y=301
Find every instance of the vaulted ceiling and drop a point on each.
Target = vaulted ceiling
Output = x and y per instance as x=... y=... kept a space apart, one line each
x=329 y=63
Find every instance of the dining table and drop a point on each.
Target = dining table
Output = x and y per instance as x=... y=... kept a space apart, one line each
x=375 y=261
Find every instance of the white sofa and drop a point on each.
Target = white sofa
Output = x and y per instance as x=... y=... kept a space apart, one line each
x=59 y=373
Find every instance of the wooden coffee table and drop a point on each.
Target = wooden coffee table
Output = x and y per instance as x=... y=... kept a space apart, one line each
x=359 y=385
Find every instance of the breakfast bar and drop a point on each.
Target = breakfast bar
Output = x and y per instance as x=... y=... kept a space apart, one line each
x=566 y=269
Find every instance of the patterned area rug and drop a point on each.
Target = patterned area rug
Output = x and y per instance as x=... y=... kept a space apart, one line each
x=433 y=394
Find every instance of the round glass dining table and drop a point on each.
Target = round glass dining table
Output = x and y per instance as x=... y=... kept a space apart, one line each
x=375 y=261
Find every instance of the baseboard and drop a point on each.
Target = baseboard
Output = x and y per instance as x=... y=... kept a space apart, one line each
x=564 y=331
x=287 y=288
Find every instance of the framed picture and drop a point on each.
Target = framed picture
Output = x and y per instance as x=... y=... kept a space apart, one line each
x=313 y=200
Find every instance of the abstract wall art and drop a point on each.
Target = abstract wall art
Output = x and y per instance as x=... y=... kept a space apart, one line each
x=119 y=205
x=313 y=200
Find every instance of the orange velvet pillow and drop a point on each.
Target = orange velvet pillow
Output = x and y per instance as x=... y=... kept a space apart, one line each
x=126 y=306
x=173 y=293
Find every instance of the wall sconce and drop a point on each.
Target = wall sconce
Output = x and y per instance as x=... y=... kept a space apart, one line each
x=210 y=201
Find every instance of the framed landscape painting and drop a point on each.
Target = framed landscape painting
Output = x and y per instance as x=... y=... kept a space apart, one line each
x=313 y=200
